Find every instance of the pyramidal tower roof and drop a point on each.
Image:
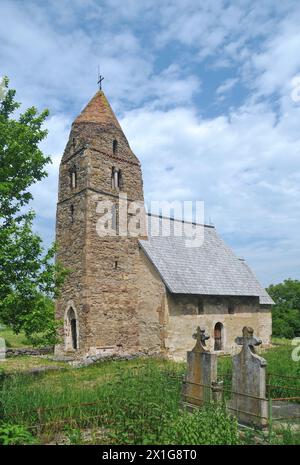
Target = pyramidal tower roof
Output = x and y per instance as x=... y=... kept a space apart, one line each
x=98 y=111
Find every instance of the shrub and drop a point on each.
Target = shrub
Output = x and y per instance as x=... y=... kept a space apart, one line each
x=209 y=425
x=286 y=311
x=15 y=435
x=74 y=435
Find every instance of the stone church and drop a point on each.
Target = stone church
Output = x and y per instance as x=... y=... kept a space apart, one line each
x=140 y=292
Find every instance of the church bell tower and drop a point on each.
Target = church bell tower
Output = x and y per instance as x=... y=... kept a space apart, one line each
x=98 y=302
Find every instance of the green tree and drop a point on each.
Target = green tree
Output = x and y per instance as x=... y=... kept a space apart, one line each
x=286 y=311
x=29 y=278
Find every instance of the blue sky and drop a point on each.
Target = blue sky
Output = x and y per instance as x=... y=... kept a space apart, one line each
x=203 y=91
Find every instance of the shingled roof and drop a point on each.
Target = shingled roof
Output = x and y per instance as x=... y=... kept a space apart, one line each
x=209 y=269
x=99 y=111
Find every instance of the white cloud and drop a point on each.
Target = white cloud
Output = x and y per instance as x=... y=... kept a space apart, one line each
x=244 y=167
x=226 y=86
x=156 y=58
x=279 y=60
x=54 y=63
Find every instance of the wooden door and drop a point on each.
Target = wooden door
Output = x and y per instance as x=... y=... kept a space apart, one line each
x=218 y=336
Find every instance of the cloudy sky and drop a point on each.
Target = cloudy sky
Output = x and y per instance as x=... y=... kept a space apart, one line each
x=206 y=92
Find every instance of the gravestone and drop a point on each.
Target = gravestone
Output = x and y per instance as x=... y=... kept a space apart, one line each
x=2 y=349
x=201 y=372
x=249 y=402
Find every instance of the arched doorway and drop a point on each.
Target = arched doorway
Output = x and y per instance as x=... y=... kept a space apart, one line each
x=218 y=336
x=71 y=330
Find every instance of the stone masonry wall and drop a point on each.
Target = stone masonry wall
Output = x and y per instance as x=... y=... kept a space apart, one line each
x=112 y=284
x=102 y=287
x=71 y=240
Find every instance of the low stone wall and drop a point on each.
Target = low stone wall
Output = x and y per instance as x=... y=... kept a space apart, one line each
x=90 y=359
x=15 y=352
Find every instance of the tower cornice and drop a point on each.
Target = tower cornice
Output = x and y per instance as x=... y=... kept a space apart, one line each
x=109 y=155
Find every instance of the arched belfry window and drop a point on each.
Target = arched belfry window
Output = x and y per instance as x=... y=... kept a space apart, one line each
x=115 y=146
x=116 y=178
x=113 y=177
x=73 y=177
x=120 y=179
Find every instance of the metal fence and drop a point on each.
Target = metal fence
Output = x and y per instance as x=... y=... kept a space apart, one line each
x=282 y=403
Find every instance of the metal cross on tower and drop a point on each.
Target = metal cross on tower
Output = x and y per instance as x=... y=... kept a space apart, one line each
x=101 y=78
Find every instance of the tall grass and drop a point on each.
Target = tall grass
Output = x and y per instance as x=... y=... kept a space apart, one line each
x=283 y=373
x=132 y=400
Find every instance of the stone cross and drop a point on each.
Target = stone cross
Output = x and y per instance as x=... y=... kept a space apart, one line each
x=200 y=337
x=201 y=372
x=247 y=339
x=248 y=402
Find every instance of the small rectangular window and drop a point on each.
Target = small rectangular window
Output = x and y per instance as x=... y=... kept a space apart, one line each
x=200 y=307
x=73 y=178
x=231 y=308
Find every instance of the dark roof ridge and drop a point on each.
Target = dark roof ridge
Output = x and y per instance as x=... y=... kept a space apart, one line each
x=181 y=221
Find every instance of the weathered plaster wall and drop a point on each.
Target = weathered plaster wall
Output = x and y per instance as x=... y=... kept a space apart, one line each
x=152 y=306
x=183 y=318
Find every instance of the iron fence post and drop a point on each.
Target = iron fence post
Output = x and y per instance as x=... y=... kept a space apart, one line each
x=270 y=407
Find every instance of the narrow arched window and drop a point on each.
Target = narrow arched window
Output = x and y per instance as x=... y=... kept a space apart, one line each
x=219 y=336
x=115 y=146
x=113 y=170
x=71 y=330
x=120 y=180
x=73 y=177
x=116 y=178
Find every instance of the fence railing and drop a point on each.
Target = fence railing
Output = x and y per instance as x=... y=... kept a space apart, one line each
x=283 y=408
x=280 y=408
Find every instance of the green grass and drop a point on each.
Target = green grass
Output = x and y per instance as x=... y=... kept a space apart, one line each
x=25 y=363
x=133 y=399
x=134 y=402
x=281 y=369
x=12 y=339
x=281 y=341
